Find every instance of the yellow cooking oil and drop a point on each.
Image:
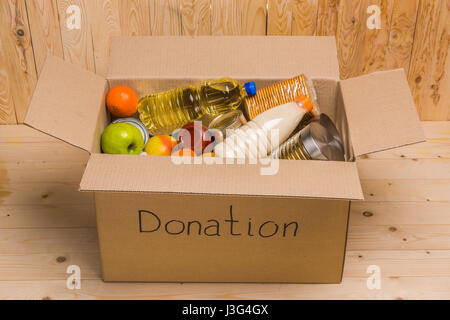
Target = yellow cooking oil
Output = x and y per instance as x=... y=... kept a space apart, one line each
x=165 y=112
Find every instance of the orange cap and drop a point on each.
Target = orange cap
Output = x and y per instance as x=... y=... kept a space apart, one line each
x=305 y=102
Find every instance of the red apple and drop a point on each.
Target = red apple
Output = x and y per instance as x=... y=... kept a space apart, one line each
x=199 y=137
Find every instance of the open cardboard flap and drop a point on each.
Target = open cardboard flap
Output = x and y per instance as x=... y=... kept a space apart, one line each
x=380 y=112
x=68 y=103
x=305 y=179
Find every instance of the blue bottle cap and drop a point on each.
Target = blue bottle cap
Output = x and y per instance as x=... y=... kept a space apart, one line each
x=250 y=87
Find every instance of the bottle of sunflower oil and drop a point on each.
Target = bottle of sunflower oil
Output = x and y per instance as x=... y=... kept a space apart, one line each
x=164 y=112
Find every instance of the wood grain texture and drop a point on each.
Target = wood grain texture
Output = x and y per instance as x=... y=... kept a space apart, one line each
x=77 y=43
x=304 y=17
x=196 y=17
x=106 y=15
x=7 y=110
x=379 y=213
x=394 y=288
x=17 y=54
x=226 y=17
x=279 y=18
x=254 y=17
x=165 y=17
x=376 y=40
x=45 y=30
x=429 y=75
x=350 y=37
x=403 y=25
x=111 y=18
x=134 y=17
x=327 y=17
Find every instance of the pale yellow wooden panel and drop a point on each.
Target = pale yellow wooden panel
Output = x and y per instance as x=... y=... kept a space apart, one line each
x=394 y=288
x=376 y=40
x=371 y=213
x=429 y=73
x=165 y=17
x=196 y=17
x=134 y=17
x=396 y=263
x=59 y=241
x=350 y=37
x=17 y=54
x=45 y=30
x=304 y=17
x=52 y=266
x=226 y=17
x=77 y=43
x=327 y=17
x=434 y=149
x=7 y=111
x=279 y=18
x=47 y=216
x=42 y=193
x=403 y=24
x=254 y=17
x=404 y=169
x=104 y=18
x=44 y=171
x=399 y=237
x=406 y=190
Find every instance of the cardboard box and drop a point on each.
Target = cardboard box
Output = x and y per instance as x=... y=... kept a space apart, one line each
x=162 y=222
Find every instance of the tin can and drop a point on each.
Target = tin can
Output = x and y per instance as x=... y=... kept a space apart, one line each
x=320 y=140
x=138 y=124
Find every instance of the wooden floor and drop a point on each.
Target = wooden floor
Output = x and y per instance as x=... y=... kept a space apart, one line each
x=46 y=225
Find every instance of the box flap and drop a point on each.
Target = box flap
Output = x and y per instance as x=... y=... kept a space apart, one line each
x=68 y=103
x=308 y=179
x=239 y=57
x=380 y=111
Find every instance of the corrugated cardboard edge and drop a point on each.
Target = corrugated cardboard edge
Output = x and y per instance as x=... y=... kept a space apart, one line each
x=152 y=57
x=296 y=179
x=380 y=111
x=64 y=101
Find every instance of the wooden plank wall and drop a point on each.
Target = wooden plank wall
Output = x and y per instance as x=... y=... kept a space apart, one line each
x=414 y=35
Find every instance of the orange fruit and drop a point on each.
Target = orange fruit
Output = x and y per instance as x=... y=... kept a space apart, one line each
x=184 y=153
x=122 y=101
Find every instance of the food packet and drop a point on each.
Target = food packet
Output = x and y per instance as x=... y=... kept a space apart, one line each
x=282 y=93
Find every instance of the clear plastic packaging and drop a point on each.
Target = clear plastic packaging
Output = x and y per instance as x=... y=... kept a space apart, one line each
x=281 y=93
x=259 y=137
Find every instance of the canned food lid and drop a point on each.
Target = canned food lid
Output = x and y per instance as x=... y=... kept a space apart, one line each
x=322 y=140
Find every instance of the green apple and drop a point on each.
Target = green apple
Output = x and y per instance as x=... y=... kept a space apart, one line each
x=122 y=138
